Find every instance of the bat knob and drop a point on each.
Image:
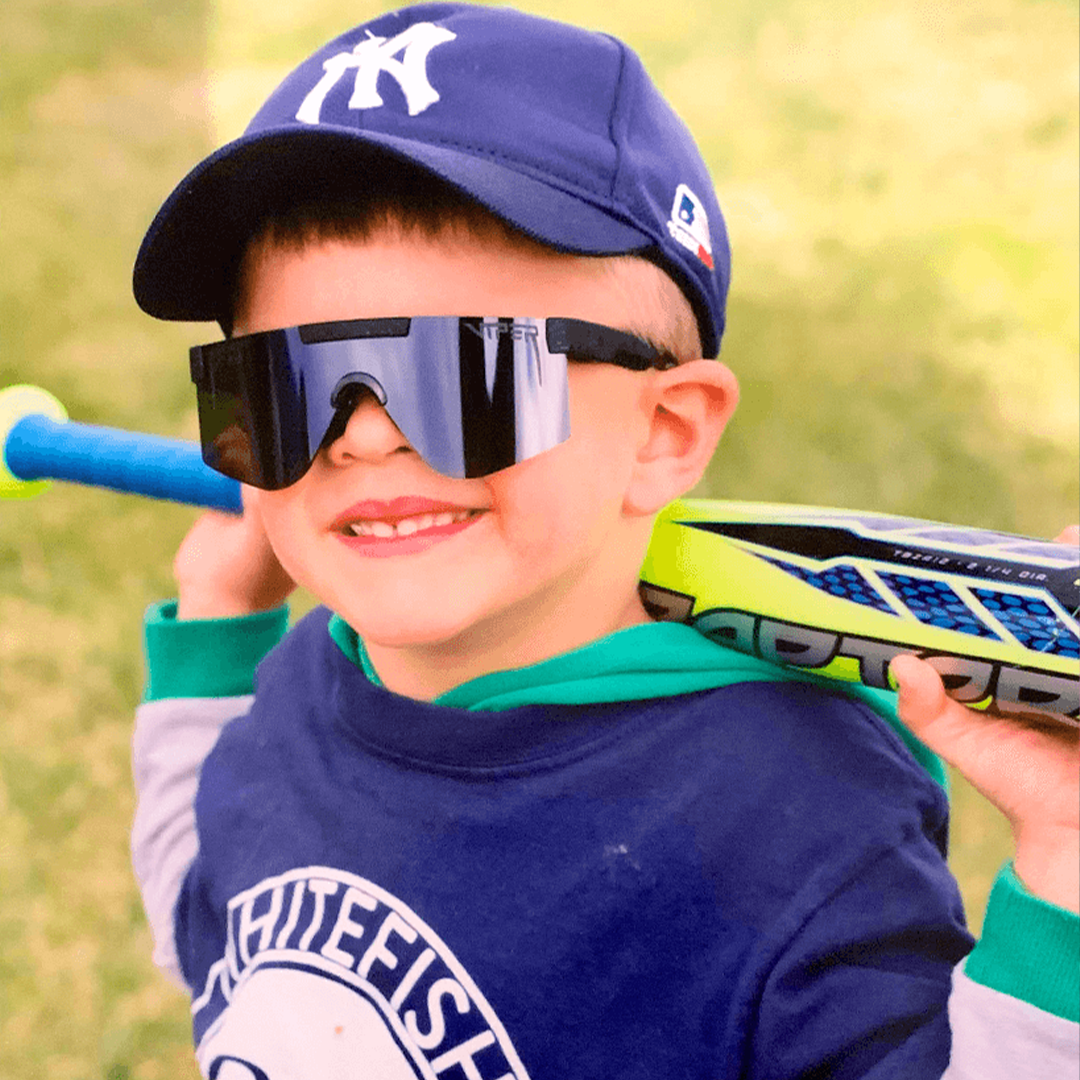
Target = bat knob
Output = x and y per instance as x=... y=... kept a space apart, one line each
x=16 y=403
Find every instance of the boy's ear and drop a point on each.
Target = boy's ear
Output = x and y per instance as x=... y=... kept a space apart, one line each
x=688 y=407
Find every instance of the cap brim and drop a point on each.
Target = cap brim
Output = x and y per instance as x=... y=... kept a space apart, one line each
x=189 y=255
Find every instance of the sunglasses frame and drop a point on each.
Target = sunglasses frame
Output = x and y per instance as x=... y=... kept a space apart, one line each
x=268 y=453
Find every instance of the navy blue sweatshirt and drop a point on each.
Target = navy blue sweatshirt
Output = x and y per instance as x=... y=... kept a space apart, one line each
x=747 y=881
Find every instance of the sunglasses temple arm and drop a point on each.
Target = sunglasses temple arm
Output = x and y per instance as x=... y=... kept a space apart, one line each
x=38 y=447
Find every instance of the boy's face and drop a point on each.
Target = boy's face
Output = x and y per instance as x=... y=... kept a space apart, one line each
x=537 y=558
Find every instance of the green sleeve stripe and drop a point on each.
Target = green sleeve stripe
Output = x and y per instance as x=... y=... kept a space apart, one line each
x=187 y=658
x=1028 y=949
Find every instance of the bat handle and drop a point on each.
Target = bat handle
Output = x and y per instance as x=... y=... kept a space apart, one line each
x=39 y=447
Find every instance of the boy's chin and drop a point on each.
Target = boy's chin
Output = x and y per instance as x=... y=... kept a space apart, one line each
x=455 y=632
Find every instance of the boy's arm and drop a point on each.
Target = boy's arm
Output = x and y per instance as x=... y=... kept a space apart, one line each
x=172 y=739
x=1016 y=999
x=201 y=658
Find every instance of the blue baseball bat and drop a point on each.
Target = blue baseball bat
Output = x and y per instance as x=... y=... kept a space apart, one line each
x=39 y=444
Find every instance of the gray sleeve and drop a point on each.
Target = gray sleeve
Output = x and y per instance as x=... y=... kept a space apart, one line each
x=172 y=738
x=998 y=1037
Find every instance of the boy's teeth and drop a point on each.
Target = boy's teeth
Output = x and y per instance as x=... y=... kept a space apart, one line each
x=407 y=526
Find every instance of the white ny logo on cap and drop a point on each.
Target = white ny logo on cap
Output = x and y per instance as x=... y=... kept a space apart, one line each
x=373 y=56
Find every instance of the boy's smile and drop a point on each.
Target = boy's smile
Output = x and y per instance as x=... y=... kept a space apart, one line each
x=446 y=579
x=401 y=526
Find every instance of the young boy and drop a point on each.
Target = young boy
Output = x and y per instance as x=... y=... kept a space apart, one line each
x=482 y=817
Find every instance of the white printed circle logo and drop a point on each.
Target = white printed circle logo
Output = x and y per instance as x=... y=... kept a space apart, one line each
x=377 y=55
x=689 y=224
x=324 y=970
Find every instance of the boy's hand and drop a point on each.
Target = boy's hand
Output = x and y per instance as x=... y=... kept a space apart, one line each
x=1030 y=772
x=225 y=566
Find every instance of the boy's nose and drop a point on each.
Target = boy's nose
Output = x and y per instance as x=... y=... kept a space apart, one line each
x=368 y=435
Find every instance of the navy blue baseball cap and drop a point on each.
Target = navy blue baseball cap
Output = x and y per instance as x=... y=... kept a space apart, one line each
x=557 y=130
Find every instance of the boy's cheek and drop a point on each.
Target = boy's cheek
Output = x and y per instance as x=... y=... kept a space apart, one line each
x=537 y=504
x=288 y=532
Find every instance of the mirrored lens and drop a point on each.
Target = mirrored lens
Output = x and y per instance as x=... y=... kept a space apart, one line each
x=472 y=395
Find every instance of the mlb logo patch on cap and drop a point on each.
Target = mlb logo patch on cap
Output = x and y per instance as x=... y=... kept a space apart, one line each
x=689 y=224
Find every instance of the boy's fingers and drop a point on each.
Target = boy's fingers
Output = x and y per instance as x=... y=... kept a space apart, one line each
x=927 y=711
x=1070 y=535
x=921 y=693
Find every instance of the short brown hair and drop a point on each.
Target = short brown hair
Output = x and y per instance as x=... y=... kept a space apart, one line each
x=398 y=196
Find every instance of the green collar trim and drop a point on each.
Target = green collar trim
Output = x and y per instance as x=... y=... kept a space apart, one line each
x=652 y=660
x=645 y=661
x=348 y=641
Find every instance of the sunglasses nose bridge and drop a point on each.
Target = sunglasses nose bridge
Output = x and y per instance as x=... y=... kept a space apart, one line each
x=349 y=388
x=360 y=426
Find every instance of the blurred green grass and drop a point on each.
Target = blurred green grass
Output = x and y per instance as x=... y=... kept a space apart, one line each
x=900 y=181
